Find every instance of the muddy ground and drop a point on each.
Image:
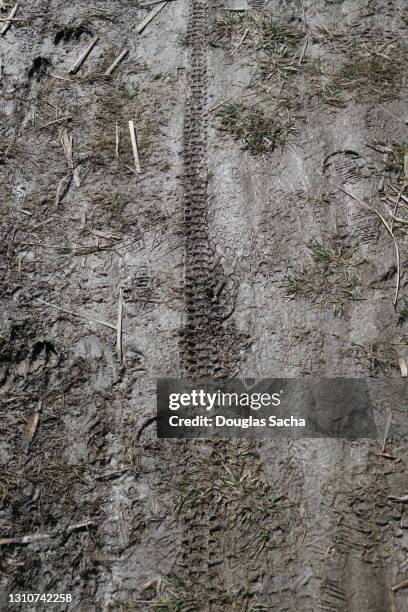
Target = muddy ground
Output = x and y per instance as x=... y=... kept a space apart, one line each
x=258 y=240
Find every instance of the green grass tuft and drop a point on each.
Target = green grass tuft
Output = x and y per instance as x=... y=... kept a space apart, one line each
x=371 y=76
x=177 y=598
x=403 y=314
x=258 y=132
x=328 y=274
x=396 y=163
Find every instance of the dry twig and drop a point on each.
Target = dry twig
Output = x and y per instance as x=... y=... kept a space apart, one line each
x=62 y=186
x=60 y=120
x=303 y=53
x=401 y=585
x=386 y=430
x=39 y=537
x=245 y=34
x=134 y=146
x=116 y=62
x=390 y=232
x=119 y=326
x=9 y=20
x=117 y=140
x=33 y=424
x=76 y=314
x=74 y=69
x=397 y=498
x=403 y=367
x=213 y=108
x=149 y=17
x=67 y=143
x=105 y=235
x=397 y=191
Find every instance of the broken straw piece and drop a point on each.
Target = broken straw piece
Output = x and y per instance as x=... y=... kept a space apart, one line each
x=245 y=34
x=9 y=20
x=67 y=144
x=83 y=57
x=117 y=140
x=134 y=146
x=33 y=424
x=116 y=62
x=119 y=327
x=150 y=16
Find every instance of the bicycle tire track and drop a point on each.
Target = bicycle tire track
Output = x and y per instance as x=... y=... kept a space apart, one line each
x=209 y=347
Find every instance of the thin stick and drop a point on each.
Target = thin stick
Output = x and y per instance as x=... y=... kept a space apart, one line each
x=386 y=430
x=119 y=326
x=117 y=140
x=391 y=233
x=83 y=57
x=401 y=585
x=61 y=78
x=99 y=234
x=400 y=220
x=67 y=144
x=76 y=314
x=378 y=53
x=68 y=118
x=403 y=367
x=134 y=146
x=394 y=212
x=33 y=424
x=39 y=537
x=395 y=190
x=76 y=177
x=9 y=20
x=396 y=204
x=213 y=108
x=402 y=498
x=150 y=16
x=29 y=539
x=393 y=202
x=82 y=525
x=302 y=55
x=116 y=62
x=62 y=186
x=304 y=15
x=245 y=34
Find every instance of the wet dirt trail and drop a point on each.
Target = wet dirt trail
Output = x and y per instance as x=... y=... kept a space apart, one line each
x=235 y=255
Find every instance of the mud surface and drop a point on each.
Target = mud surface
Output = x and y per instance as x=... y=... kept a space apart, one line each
x=273 y=146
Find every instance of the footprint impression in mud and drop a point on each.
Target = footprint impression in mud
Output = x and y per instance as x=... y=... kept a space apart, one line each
x=346 y=166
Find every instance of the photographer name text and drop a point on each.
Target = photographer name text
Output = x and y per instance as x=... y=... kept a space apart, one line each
x=242 y=423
